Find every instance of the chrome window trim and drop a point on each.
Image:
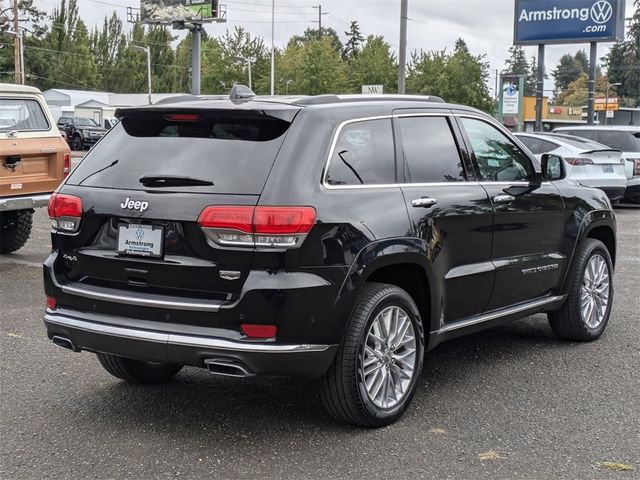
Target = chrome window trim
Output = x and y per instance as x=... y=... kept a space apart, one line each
x=334 y=141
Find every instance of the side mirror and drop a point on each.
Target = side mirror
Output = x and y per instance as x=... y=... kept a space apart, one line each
x=553 y=167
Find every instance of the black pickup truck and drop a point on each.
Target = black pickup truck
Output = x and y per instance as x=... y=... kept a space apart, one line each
x=80 y=132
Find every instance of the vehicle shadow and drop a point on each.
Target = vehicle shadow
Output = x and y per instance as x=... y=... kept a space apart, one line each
x=196 y=402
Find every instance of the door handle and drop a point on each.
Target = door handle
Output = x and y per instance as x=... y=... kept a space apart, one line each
x=424 y=202
x=503 y=198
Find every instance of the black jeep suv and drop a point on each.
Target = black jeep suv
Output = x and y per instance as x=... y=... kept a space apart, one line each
x=338 y=237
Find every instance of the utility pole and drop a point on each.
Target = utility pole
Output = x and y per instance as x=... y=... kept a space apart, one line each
x=17 y=42
x=195 y=59
x=147 y=51
x=402 y=55
x=319 y=7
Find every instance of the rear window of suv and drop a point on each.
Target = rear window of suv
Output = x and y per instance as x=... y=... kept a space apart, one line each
x=23 y=115
x=232 y=150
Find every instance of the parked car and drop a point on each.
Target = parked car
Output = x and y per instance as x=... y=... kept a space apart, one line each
x=33 y=161
x=81 y=132
x=110 y=122
x=588 y=162
x=337 y=237
x=624 y=138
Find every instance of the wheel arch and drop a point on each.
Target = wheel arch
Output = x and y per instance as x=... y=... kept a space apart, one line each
x=400 y=262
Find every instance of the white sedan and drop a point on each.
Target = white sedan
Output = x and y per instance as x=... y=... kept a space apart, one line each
x=588 y=162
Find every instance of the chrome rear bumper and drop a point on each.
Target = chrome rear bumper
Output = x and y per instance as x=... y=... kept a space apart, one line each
x=23 y=203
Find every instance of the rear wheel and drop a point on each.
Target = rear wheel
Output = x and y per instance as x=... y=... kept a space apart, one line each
x=585 y=314
x=379 y=364
x=15 y=228
x=137 y=371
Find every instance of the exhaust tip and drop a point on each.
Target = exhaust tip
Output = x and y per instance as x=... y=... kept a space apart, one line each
x=64 y=343
x=227 y=368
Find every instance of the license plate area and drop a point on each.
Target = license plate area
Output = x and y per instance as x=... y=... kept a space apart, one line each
x=140 y=240
x=607 y=168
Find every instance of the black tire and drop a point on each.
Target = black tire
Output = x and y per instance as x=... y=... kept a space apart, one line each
x=567 y=323
x=136 y=371
x=76 y=143
x=343 y=391
x=15 y=228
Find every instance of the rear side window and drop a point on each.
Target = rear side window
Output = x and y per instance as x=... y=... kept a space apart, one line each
x=234 y=151
x=363 y=154
x=588 y=134
x=533 y=144
x=547 y=147
x=23 y=115
x=624 y=141
x=430 y=150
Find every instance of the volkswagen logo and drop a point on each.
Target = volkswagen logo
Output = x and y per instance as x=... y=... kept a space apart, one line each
x=140 y=234
x=601 y=11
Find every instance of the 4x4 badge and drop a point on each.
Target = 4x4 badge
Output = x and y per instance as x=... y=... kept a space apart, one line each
x=129 y=204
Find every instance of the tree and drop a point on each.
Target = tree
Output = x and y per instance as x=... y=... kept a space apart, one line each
x=460 y=77
x=34 y=31
x=354 y=40
x=374 y=65
x=517 y=64
x=322 y=69
x=623 y=62
x=577 y=92
x=109 y=46
x=569 y=69
x=311 y=35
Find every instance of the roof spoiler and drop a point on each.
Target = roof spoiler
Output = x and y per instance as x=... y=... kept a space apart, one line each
x=241 y=93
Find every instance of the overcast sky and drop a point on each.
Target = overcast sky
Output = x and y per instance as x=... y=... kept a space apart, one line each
x=486 y=25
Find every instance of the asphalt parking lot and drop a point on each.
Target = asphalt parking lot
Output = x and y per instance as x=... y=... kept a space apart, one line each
x=508 y=403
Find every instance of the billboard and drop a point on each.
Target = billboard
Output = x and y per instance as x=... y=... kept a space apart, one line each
x=169 y=11
x=568 y=21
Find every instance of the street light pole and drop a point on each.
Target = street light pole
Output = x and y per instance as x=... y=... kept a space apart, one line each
x=248 y=60
x=273 y=46
x=606 y=101
x=147 y=50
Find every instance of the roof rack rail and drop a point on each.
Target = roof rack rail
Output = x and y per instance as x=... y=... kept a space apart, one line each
x=330 y=98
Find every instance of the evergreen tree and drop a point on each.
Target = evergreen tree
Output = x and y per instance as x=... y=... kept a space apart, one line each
x=354 y=40
x=517 y=64
x=374 y=65
x=623 y=62
x=569 y=69
x=311 y=35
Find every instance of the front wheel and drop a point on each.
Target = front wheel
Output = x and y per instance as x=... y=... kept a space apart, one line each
x=137 y=371
x=379 y=363
x=585 y=313
x=76 y=143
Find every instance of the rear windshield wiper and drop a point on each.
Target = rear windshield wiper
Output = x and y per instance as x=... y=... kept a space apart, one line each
x=172 y=181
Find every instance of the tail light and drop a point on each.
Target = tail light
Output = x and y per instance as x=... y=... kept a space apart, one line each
x=636 y=166
x=67 y=165
x=65 y=212
x=246 y=226
x=579 y=161
x=51 y=303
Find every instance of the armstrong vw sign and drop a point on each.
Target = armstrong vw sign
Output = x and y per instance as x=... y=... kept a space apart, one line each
x=568 y=21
